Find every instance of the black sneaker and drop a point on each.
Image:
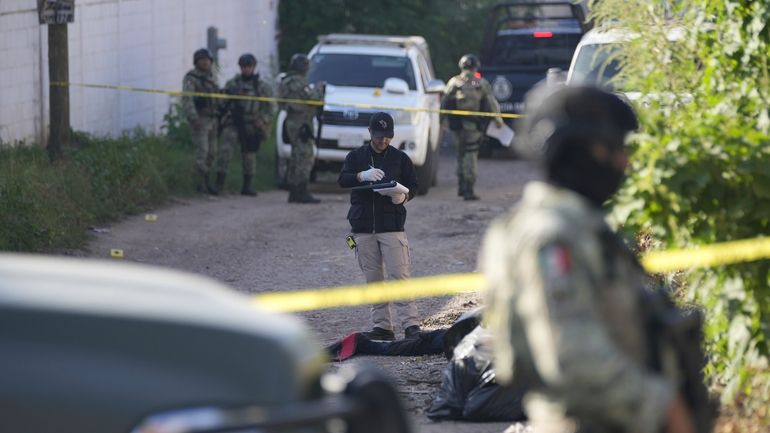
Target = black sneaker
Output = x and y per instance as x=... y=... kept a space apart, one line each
x=378 y=333
x=412 y=331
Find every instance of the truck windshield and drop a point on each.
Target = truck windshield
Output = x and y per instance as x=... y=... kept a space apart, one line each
x=533 y=47
x=360 y=70
x=597 y=64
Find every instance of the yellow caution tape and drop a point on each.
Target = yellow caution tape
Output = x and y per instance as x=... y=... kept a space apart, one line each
x=659 y=261
x=285 y=100
x=724 y=253
x=374 y=293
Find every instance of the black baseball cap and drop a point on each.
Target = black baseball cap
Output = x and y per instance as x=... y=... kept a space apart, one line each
x=381 y=125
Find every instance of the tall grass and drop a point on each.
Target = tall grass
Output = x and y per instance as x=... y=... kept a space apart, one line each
x=46 y=206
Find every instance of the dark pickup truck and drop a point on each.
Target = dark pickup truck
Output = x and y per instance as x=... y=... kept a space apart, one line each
x=522 y=42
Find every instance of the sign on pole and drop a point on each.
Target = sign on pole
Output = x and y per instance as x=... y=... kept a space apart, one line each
x=56 y=11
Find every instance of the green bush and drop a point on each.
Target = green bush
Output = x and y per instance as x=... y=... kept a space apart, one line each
x=35 y=206
x=47 y=206
x=700 y=164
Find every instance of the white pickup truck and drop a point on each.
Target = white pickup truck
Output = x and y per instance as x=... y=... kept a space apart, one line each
x=367 y=71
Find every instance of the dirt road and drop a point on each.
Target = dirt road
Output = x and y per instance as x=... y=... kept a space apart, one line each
x=265 y=244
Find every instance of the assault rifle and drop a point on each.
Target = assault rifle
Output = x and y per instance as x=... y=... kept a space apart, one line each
x=669 y=327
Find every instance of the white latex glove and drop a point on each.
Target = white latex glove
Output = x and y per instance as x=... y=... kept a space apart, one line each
x=371 y=175
x=397 y=197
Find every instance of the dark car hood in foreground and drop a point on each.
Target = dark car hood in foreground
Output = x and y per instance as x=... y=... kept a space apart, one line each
x=88 y=346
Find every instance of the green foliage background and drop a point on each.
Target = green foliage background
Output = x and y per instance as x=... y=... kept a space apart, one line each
x=700 y=164
x=47 y=206
x=451 y=27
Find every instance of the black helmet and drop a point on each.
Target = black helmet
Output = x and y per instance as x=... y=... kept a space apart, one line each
x=247 y=60
x=561 y=130
x=574 y=115
x=202 y=54
x=469 y=61
x=299 y=63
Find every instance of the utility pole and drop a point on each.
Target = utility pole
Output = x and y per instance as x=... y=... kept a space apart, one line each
x=57 y=13
x=59 y=96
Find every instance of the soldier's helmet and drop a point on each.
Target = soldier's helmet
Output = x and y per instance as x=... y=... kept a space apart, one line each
x=469 y=61
x=202 y=53
x=247 y=60
x=559 y=117
x=299 y=63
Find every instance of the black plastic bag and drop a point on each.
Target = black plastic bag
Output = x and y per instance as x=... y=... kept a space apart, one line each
x=468 y=388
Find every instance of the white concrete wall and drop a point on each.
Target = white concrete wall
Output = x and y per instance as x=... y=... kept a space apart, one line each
x=137 y=43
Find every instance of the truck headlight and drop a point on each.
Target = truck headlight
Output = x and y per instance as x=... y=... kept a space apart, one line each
x=401 y=117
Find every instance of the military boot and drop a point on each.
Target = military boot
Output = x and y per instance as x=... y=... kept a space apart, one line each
x=305 y=197
x=460 y=188
x=209 y=188
x=468 y=194
x=220 y=183
x=200 y=182
x=246 y=189
x=293 y=194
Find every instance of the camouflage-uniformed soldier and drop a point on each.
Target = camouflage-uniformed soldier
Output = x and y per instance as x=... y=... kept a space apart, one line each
x=299 y=127
x=564 y=297
x=467 y=91
x=246 y=124
x=201 y=112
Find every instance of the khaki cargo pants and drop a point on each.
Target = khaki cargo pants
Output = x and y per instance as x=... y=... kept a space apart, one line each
x=390 y=251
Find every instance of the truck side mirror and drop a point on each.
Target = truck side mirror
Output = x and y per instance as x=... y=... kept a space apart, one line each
x=435 y=86
x=396 y=86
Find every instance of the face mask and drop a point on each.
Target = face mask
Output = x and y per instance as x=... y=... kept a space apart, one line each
x=578 y=171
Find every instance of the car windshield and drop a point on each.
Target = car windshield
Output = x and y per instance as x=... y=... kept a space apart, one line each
x=598 y=64
x=360 y=70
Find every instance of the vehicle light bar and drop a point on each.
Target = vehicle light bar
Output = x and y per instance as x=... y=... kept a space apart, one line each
x=542 y=34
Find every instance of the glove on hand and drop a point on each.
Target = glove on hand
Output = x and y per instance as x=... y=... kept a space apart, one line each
x=371 y=175
x=397 y=197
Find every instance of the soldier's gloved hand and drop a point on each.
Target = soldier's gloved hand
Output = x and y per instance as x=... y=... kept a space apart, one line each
x=371 y=175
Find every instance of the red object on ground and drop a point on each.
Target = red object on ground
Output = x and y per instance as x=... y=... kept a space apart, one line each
x=348 y=348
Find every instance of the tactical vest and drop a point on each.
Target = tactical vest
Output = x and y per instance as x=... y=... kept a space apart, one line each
x=469 y=94
x=247 y=88
x=292 y=87
x=205 y=85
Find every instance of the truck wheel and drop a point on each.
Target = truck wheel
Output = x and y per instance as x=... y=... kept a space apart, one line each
x=281 y=170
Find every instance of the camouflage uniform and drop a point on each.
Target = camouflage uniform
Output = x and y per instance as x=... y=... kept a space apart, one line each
x=253 y=111
x=203 y=111
x=299 y=127
x=564 y=302
x=468 y=93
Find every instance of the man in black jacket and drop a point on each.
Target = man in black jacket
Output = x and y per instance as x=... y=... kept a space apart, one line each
x=377 y=220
